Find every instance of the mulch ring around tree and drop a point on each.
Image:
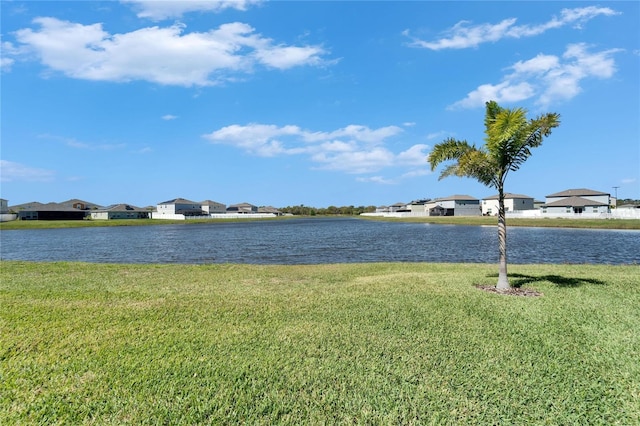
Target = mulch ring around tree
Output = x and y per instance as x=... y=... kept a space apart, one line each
x=514 y=291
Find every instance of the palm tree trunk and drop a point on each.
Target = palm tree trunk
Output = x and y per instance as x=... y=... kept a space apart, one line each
x=503 y=280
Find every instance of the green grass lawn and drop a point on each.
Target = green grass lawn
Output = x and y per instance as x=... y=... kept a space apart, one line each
x=382 y=343
x=532 y=222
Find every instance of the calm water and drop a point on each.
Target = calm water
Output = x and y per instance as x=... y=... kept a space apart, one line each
x=313 y=241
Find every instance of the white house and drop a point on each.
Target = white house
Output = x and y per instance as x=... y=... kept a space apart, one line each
x=454 y=205
x=512 y=202
x=178 y=206
x=577 y=201
x=5 y=216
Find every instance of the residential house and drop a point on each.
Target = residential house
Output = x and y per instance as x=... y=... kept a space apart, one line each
x=74 y=203
x=5 y=215
x=576 y=201
x=512 y=202
x=630 y=206
x=120 y=211
x=418 y=206
x=399 y=207
x=242 y=208
x=180 y=206
x=213 y=207
x=454 y=205
x=66 y=210
x=269 y=210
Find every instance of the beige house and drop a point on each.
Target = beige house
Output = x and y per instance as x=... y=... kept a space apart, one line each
x=242 y=208
x=577 y=201
x=119 y=211
x=213 y=207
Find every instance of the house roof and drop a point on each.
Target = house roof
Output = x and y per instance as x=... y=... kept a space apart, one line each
x=508 y=195
x=50 y=207
x=457 y=197
x=87 y=204
x=209 y=202
x=242 y=205
x=580 y=192
x=121 y=208
x=268 y=209
x=179 y=201
x=575 y=202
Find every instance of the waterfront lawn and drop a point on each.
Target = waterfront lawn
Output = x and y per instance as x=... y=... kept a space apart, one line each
x=382 y=343
x=531 y=222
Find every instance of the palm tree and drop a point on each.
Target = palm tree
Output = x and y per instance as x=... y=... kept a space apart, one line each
x=510 y=136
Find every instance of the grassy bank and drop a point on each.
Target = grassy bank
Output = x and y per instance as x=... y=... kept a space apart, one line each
x=330 y=344
x=47 y=224
x=542 y=222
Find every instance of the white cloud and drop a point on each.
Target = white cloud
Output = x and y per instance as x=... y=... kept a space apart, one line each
x=10 y=171
x=464 y=35
x=8 y=53
x=628 y=181
x=163 y=55
x=546 y=78
x=74 y=143
x=6 y=64
x=353 y=149
x=165 y=9
x=376 y=179
x=438 y=135
x=169 y=117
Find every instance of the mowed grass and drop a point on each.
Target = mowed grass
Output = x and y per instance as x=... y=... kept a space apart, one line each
x=383 y=343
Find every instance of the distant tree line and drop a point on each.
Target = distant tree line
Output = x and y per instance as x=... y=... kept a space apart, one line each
x=303 y=210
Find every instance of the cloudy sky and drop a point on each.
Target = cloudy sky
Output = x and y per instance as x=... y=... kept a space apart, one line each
x=302 y=102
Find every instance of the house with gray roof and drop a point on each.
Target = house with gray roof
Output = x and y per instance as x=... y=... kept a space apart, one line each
x=454 y=205
x=179 y=206
x=269 y=210
x=67 y=210
x=242 y=208
x=120 y=211
x=213 y=207
x=577 y=201
x=512 y=202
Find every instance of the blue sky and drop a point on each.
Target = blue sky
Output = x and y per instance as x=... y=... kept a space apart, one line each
x=316 y=103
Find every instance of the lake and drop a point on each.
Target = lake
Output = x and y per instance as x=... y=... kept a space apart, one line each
x=317 y=241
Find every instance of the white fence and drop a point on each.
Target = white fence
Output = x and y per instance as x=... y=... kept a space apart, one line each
x=8 y=217
x=535 y=214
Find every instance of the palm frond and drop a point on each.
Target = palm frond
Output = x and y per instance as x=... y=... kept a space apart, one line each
x=449 y=149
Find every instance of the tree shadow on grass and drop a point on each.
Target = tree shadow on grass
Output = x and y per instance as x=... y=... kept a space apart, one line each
x=518 y=280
